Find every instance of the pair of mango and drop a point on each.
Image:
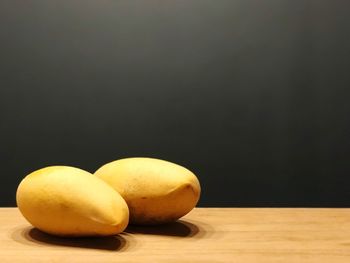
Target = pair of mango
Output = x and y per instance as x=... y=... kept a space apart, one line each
x=67 y=201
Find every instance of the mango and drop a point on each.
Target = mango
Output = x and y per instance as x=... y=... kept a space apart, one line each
x=156 y=191
x=68 y=201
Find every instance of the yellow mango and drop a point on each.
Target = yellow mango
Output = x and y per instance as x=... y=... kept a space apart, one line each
x=156 y=191
x=68 y=201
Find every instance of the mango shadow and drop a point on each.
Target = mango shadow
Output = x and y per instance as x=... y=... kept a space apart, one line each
x=179 y=228
x=34 y=236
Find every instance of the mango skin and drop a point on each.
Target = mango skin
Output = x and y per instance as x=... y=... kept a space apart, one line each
x=155 y=190
x=67 y=201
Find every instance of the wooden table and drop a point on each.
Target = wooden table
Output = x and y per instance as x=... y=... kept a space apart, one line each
x=204 y=235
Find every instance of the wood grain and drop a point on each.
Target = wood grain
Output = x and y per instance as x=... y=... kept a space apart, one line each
x=204 y=235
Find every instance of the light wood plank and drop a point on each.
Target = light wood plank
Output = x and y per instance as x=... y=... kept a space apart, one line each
x=204 y=235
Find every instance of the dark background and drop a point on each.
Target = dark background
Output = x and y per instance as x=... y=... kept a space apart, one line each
x=251 y=95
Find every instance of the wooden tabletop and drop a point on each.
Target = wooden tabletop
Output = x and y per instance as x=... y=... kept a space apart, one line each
x=204 y=235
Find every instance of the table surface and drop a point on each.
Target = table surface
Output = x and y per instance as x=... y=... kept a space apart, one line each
x=204 y=235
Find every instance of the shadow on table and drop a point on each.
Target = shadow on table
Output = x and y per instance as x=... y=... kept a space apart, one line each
x=33 y=236
x=179 y=228
x=124 y=241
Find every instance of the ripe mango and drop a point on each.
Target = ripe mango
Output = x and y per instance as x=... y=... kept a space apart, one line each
x=156 y=191
x=68 y=201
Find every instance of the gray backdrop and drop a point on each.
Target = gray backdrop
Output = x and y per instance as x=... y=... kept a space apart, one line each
x=251 y=95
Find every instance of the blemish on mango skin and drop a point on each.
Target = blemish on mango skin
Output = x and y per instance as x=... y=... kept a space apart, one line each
x=63 y=205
